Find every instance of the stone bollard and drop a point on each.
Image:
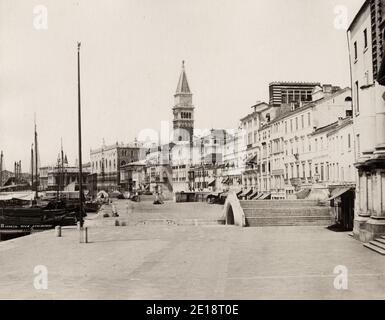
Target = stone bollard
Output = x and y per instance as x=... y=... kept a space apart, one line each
x=83 y=235
x=58 y=231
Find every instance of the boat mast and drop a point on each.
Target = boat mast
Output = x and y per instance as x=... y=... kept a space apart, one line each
x=36 y=182
x=1 y=168
x=32 y=166
x=62 y=167
x=80 y=145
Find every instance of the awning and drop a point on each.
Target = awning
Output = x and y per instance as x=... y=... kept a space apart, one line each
x=259 y=195
x=303 y=194
x=213 y=195
x=212 y=183
x=253 y=195
x=252 y=159
x=27 y=196
x=265 y=196
x=246 y=193
x=338 y=192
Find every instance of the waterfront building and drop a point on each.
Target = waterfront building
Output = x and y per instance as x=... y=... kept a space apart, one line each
x=205 y=174
x=234 y=159
x=43 y=176
x=292 y=163
x=256 y=143
x=66 y=177
x=133 y=176
x=366 y=46
x=107 y=160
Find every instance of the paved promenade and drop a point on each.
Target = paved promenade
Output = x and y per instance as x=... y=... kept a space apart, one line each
x=191 y=262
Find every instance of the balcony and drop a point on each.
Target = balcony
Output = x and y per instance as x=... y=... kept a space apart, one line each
x=278 y=172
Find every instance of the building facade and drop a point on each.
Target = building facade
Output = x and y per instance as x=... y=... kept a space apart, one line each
x=366 y=43
x=106 y=162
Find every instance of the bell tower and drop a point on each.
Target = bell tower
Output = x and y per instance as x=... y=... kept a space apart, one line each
x=183 y=110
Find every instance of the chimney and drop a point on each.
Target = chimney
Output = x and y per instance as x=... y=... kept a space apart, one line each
x=327 y=89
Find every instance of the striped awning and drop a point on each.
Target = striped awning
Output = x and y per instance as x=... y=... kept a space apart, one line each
x=338 y=192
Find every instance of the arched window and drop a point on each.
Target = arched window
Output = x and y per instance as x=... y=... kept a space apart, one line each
x=122 y=163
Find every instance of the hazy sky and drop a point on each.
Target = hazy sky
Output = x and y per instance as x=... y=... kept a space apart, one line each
x=131 y=60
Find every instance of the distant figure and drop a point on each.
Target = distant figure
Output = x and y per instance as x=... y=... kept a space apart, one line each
x=114 y=211
x=157 y=199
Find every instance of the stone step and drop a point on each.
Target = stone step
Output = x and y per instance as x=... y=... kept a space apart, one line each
x=382 y=240
x=375 y=248
x=378 y=244
x=285 y=221
x=200 y=222
x=268 y=212
x=382 y=237
x=278 y=203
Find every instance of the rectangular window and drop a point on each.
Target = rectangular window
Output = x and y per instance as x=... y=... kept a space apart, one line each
x=296 y=123
x=358 y=146
x=355 y=51
x=365 y=38
x=349 y=142
x=302 y=122
x=285 y=126
x=357 y=97
x=308 y=120
x=291 y=125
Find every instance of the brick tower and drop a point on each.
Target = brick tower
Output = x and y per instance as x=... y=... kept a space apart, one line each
x=183 y=110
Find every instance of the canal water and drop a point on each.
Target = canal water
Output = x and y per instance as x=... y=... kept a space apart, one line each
x=9 y=236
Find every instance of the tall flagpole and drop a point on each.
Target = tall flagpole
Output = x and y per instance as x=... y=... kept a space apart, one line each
x=80 y=145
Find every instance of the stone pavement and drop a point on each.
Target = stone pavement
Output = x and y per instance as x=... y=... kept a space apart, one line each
x=134 y=213
x=188 y=262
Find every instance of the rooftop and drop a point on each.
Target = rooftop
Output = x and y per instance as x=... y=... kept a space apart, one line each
x=291 y=83
x=183 y=86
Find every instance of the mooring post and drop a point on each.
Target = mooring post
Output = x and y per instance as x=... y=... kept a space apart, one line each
x=83 y=234
x=58 y=231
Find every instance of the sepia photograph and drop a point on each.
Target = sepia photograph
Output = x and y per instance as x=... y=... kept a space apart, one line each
x=175 y=151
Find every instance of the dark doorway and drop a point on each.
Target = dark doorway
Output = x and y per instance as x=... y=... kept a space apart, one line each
x=347 y=209
x=230 y=216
